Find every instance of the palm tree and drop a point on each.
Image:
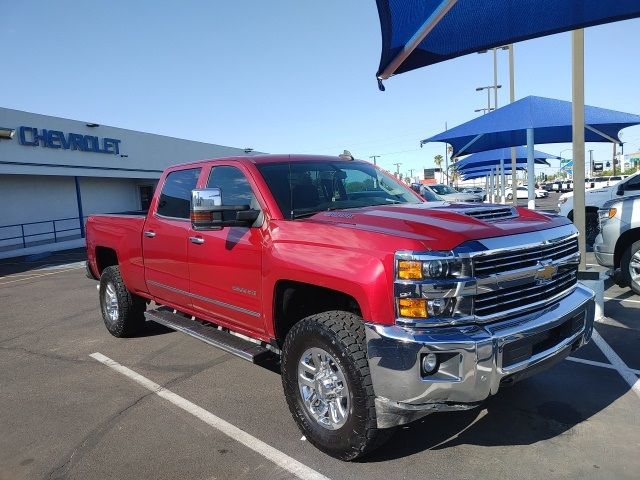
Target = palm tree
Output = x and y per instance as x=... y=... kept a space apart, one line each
x=437 y=160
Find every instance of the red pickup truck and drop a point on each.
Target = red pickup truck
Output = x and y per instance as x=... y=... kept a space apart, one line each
x=381 y=307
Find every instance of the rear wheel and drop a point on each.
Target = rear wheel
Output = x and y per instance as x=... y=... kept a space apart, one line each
x=122 y=311
x=327 y=384
x=630 y=267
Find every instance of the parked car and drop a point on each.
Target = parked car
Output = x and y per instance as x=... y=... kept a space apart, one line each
x=567 y=186
x=595 y=198
x=523 y=192
x=557 y=186
x=617 y=246
x=476 y=191
x=450 y=194
x=381 y=308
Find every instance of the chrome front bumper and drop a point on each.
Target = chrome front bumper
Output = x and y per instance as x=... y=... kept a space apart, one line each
x=474 y=360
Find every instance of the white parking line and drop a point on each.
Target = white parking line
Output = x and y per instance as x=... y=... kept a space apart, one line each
x=599 y=364
x=37 y=275
x=276 y=456
x=622 y=299
x=617 y=363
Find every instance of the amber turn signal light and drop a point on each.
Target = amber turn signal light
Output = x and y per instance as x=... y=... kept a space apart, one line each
x=409 y=270
x=412 y=307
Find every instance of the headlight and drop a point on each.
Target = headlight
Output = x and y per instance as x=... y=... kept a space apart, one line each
x=436 y=265
x=432 y=288
x=606 y=214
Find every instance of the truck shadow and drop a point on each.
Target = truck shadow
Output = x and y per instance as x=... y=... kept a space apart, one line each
x=538 y=408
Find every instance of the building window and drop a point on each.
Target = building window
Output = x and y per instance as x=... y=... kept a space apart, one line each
x=175 y=198
x=146 y=194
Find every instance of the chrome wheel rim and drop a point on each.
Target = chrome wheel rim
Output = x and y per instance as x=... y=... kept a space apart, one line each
x=111 y=303
x=634 y=267
x=323 y=388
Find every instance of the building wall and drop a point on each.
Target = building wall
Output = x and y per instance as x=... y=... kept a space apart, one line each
x=38 y=166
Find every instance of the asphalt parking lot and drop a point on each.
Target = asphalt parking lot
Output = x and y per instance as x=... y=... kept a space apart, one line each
x=64 y=414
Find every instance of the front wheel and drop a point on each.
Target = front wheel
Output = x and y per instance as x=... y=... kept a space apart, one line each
x=327 y=384
x=630 y=267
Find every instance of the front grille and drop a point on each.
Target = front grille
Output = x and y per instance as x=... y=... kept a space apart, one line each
x=495 y=263
x=505 y=299
x=492 y=213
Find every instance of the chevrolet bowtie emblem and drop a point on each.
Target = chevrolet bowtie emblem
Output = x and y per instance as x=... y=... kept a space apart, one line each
x=546 y=272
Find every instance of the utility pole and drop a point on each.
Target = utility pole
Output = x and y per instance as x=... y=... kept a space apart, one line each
x=411 y=172
x=446 y=157
x=374 y=158
x=398 y=167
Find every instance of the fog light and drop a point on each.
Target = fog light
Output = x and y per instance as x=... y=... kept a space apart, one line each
x=429 y=363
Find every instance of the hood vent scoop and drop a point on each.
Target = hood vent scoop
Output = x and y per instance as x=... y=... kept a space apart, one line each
x=488 y=214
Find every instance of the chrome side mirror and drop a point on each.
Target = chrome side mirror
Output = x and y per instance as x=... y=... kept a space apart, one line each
x=207 y=211
x=206 y=208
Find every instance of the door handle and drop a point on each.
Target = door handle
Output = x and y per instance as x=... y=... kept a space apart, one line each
x=149 y=233
x=196 y=240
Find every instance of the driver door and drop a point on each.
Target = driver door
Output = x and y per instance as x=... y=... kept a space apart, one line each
x=226 y=264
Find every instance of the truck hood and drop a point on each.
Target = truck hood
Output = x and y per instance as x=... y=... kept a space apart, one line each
x=446 y=224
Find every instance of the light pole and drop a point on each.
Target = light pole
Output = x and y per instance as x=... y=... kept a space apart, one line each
x=495 y=71
x=488 y=89
x=397 y=168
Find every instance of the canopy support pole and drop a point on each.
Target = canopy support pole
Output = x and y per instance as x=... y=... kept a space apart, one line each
x=475 y=139
x=492 y=187
x=531 y=178
x=437 y=15
x=486 y=189
x=577 y=118
x=503 y=199
x=512 y=97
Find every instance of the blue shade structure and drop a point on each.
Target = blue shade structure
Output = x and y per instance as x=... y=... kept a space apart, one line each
x=417 y=33
x=492 y=158
x=550 y=120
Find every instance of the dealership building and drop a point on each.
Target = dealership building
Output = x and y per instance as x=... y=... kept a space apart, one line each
x=54 y=172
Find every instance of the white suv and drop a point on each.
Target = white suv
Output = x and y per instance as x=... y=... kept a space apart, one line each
x=595 y=199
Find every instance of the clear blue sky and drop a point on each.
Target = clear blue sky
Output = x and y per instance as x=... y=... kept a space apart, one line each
x=283 y=76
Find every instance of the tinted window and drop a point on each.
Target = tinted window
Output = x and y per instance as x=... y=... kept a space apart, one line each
x=234 y=187
x=175 y=198
x=305 y=188
x=633 y=183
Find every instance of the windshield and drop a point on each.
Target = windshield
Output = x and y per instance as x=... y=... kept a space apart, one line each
x=443 y=189
x=305 y=188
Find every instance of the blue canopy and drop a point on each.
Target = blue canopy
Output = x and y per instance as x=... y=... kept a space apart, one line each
x=483 y=172
x=493 y=157
x=417 y=33
x=550 y=120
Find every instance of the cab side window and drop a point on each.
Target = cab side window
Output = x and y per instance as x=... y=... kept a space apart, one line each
x=234 y=186
x=633 y=184
x=175 y=197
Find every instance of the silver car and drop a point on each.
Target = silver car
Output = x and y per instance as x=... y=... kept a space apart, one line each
x=450 y=194
x=617 y=246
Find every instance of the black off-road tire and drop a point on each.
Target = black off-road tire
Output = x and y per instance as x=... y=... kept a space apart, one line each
x=130 y=314
x=341 y=334
x=625 y=260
